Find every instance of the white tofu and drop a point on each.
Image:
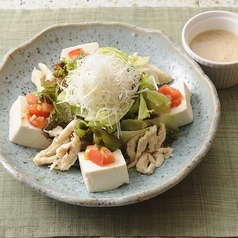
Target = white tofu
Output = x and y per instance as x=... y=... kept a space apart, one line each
x=21 y=131
x=90 y=48
x=184 y=112
x=102 y=178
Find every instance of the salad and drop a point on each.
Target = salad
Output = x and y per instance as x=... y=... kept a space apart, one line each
x=102 y=110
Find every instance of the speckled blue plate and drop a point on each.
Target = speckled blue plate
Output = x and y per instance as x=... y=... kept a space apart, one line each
x=194 y=140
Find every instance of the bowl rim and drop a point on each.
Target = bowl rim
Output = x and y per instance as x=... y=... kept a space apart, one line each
x=201 y=16
x=135 y=197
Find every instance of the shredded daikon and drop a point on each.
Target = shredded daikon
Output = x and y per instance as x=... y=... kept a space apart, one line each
x=102 y=87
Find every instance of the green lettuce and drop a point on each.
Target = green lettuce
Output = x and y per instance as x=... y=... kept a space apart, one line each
x=132 y=125
x=103 y=138
x=147 y=82
x=133 y=111
x=157 y=102
x=125 y=136
x=168 y=120
x=143 y=111
x=115 y=52
x=131 y=60
x=109 y=119
x=80 y=127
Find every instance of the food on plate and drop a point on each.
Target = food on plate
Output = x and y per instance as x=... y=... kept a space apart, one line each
x=106 y=177
x=43 y=73
x=63 y=151
x=73 y=52
x=100 y=156
x=145 y=152
x=102 y=110
x=182 y=108
x=21 y=131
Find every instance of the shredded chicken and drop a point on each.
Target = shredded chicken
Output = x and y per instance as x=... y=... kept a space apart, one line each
x=166 y=152
x=44 y=72
x=62 y=153
x=146 y=163
x=55 y=132
x=148 y=154
x=160 y=76
x=67 y=154
x=131 y=147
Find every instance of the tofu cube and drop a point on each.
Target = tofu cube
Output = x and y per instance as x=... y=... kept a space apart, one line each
x=102 y=178
x=90 y=48
x=21 y=131
x=184 y=112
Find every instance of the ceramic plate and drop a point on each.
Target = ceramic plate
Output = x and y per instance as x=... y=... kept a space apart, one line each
x=194 y=140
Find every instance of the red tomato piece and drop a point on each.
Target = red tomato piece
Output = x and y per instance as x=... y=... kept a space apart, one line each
x=95 y=156
x=37 y=121
x=100 y=157
x=173 y=94
x=168 y=96
x=172 y=104
x=37 y=111
x=28 y=116
x=177 y=102
x=46 y=108
x=91 y=147
x=73 y=54
x=108 y=157
x=31 y=98
x=40 y=109
x=165 y=89
x=34 y=109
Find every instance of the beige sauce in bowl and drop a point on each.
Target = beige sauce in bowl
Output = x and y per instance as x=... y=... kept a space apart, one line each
x=216 y=45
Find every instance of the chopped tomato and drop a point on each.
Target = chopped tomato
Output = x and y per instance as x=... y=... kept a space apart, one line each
x=40 y=109
x=73 y=54
x=37 y=121
x=166 y=89
x=107 y=155
x=31 y=98
x=177 y=102
x=46 y=108
x=169 y=96
x=96 y=157
x=91 y=147
x=173 y=94
x=101 y=156
x=37 y=112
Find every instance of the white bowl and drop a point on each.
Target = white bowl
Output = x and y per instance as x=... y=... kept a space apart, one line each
x=223 y=75
x=194 y=140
